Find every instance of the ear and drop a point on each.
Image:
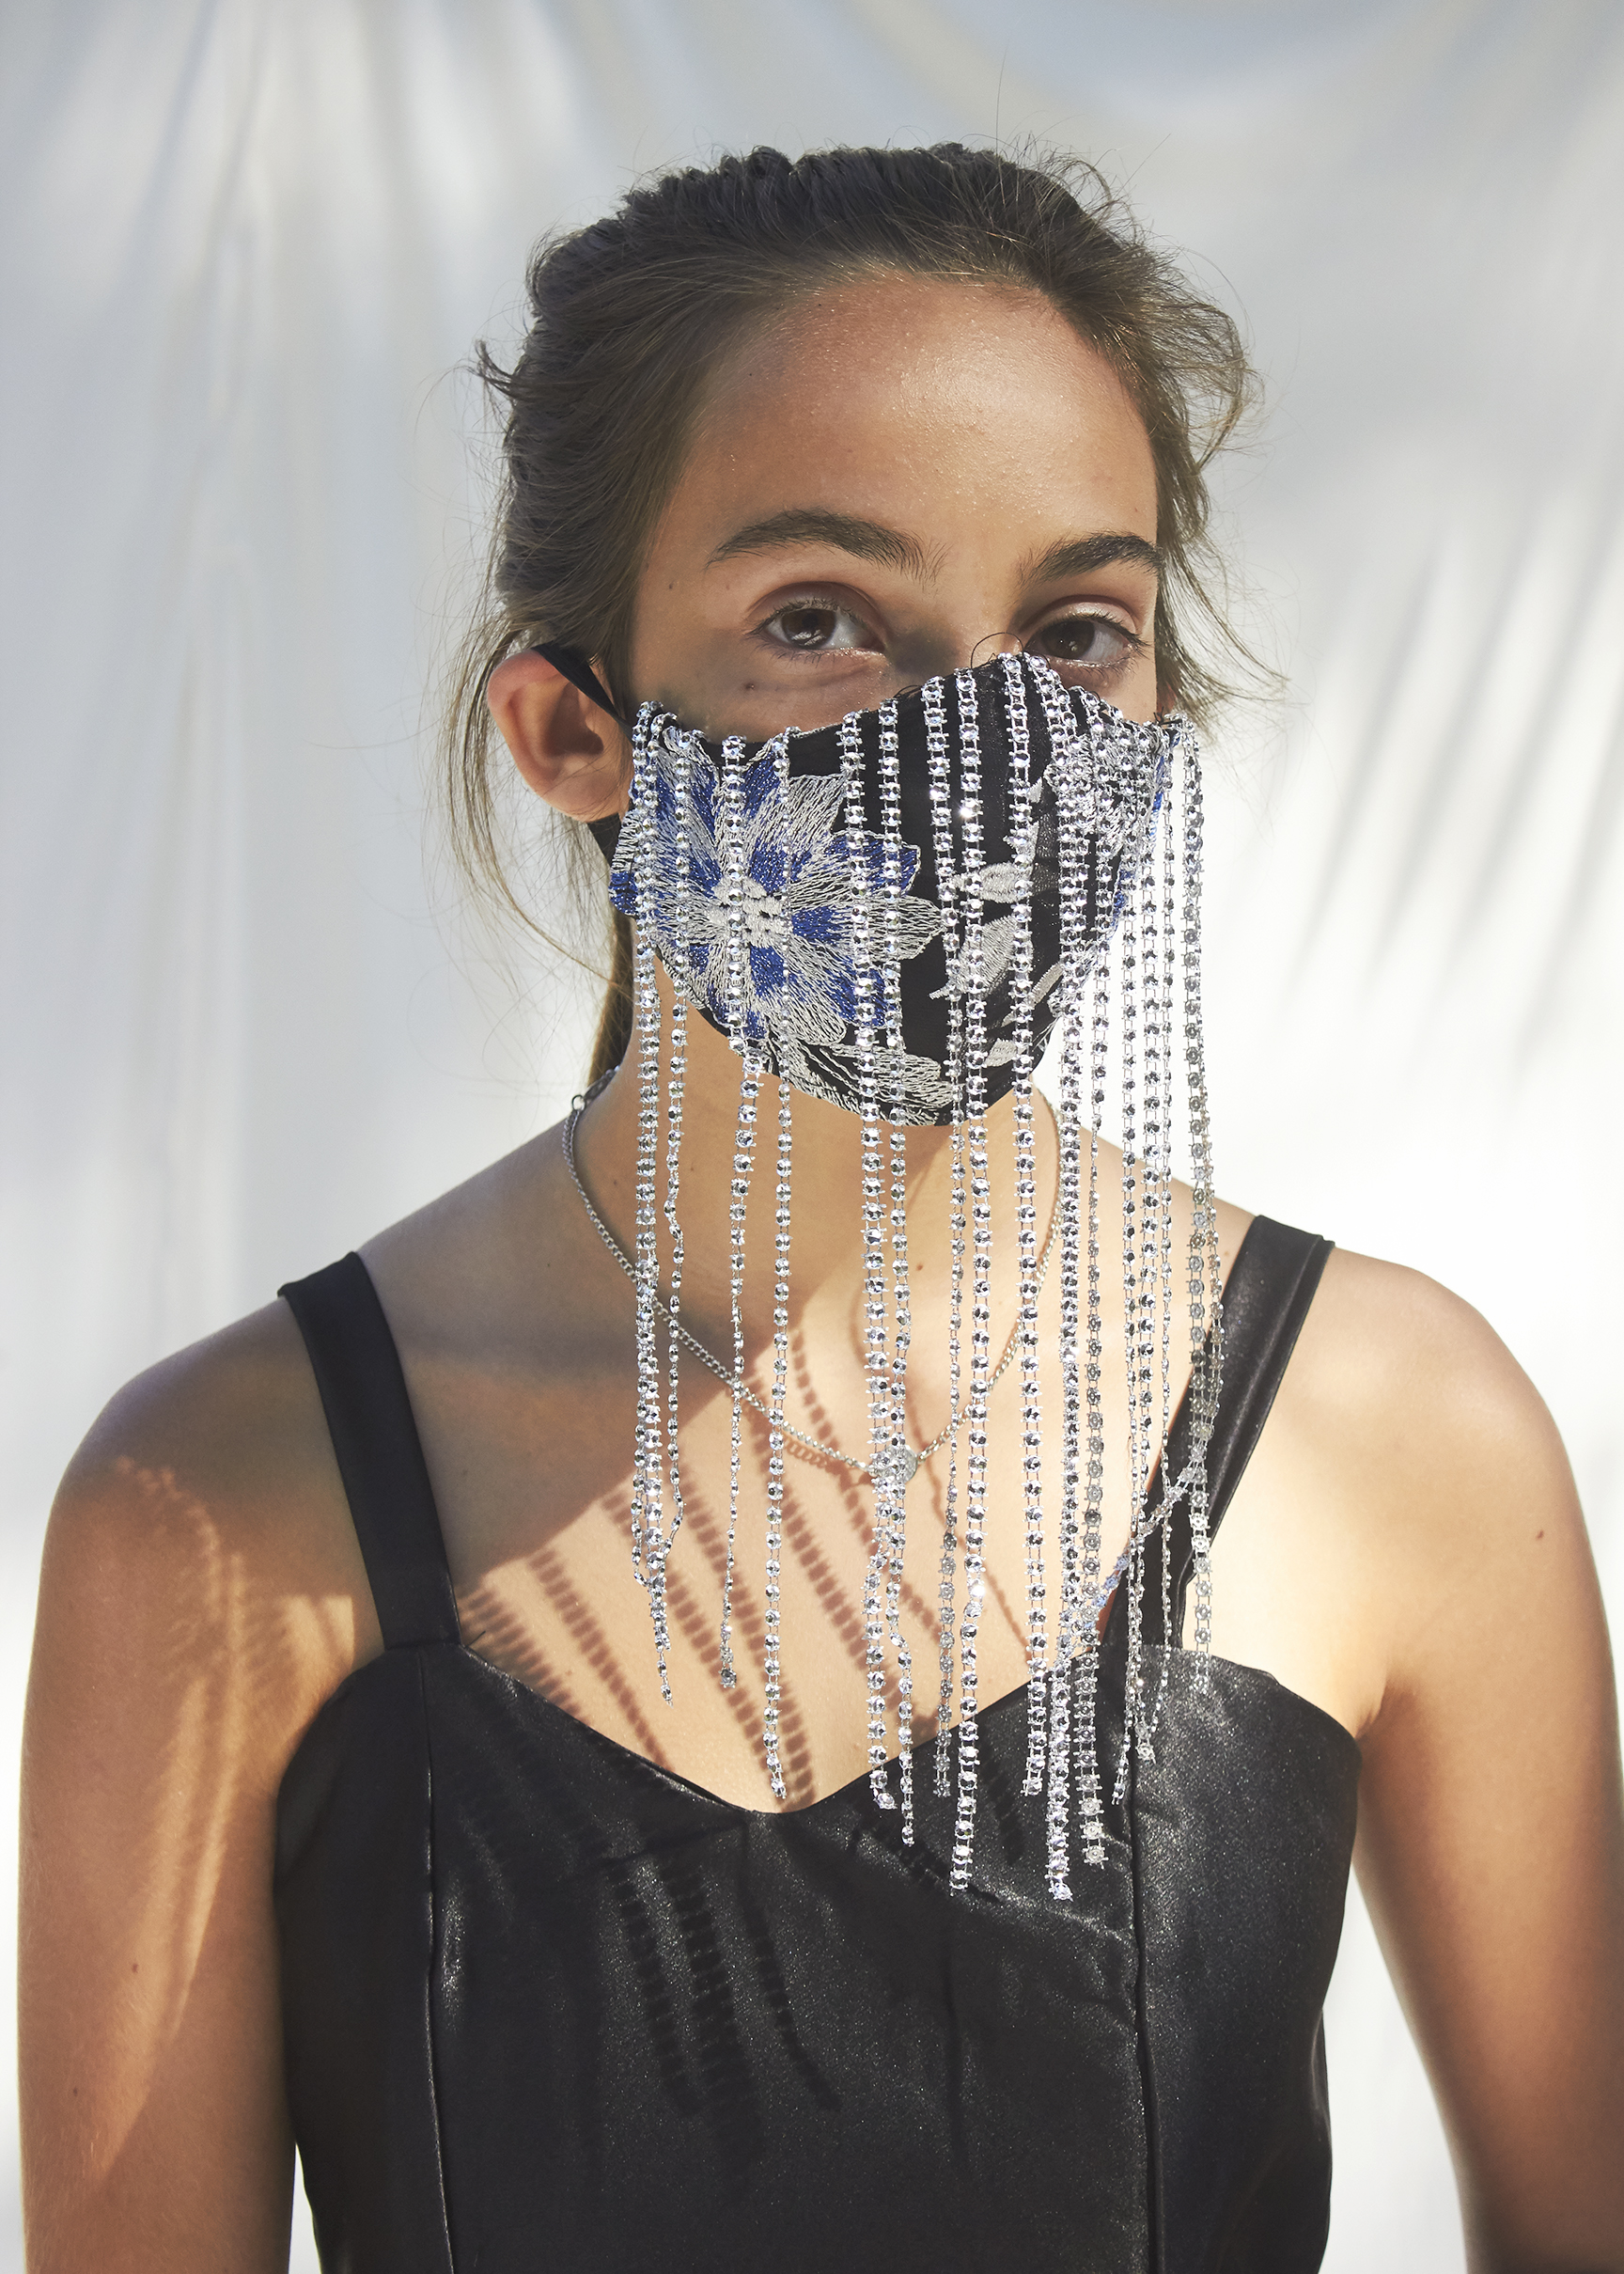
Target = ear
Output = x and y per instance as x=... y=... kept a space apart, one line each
x=571 y=753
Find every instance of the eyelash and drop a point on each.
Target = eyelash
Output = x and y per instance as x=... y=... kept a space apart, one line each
x=1135 y=643
x=805 y=602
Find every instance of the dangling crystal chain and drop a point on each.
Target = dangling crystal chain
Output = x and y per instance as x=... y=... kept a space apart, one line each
x=676 y=1085
x=947 y=883
x=1150 y=1206
x=1091 y=1804
x=743 y=1158
x=1021 y=833
x=876 y=1339
x=771 y=1654
x=974 y=985
x=1204 y=1284
x=1163 y=1148
x=1127 y=982
x=1071 y=1626
x=647 y=1543
x=896 y=1488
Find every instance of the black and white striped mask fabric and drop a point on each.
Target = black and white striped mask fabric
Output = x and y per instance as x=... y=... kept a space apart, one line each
x=893 y=915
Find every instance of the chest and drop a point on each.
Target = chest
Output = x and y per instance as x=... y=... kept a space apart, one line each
x=533 y=1481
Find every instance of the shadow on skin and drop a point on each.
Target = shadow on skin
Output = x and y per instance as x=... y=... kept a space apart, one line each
x=208 y=1670
x=545 y=1616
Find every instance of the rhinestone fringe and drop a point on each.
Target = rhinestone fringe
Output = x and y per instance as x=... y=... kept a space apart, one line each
x=1113 y=787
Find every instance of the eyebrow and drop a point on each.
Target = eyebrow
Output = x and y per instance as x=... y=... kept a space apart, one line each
x=846 y=532
x=1082 y=555
x=894 y=549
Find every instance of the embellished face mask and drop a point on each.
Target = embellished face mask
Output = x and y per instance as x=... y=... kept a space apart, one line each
x=872 y=886
x=892 y=914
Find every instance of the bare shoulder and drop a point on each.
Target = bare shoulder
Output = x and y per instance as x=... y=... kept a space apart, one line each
x=202 y=1525
x=1447 y=1494
x=201 y=1595
x=1462 y=1599
x=1408 y=1500
x=1413 y=1395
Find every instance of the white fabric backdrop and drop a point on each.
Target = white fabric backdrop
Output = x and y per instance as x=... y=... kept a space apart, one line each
x=245 y=241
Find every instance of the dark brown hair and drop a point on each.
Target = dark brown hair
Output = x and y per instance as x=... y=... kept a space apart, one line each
x=631 y=316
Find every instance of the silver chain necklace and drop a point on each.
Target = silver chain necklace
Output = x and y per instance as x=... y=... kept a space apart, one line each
x=895 y=1469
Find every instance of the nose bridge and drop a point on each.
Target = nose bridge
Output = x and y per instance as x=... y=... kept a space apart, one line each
x=962 y=631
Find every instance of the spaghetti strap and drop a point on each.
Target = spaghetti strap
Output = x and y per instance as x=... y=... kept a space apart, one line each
x=1271 y=1285
x=364 y=1395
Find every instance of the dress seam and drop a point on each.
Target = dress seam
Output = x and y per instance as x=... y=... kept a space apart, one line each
x=1155 y=2242
x=430 y=1965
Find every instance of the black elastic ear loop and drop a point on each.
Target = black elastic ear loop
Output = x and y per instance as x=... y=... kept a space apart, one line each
x=580 y=674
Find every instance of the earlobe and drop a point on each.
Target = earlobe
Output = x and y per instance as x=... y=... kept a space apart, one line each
x=569 y=751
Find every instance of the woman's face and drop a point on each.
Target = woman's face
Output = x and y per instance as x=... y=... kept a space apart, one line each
x=898 y=478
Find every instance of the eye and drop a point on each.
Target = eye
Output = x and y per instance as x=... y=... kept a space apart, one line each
x=818 y=627
x=1086 y=642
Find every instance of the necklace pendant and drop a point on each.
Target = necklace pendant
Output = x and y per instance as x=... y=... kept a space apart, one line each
x=893 y=1471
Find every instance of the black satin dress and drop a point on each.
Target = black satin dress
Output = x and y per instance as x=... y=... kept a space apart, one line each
x=547 y=2006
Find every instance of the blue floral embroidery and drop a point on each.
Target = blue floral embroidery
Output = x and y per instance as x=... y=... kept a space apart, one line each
x=799 y=978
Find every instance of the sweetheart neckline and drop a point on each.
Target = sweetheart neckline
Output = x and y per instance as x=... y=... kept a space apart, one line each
x=840 y=1792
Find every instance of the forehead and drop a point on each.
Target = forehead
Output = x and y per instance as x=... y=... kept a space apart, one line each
x=915 y=402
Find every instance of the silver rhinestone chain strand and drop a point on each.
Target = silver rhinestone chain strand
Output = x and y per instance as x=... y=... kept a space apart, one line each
x=676 y=1085
x=974 y=984
x=1164 y=1159
x=743 y=1155
x=1021 y=833
x=947 y=893
x=1127 y=980
x=901 y=1457
x=773 y=1649
x=876 y=1295
x=649 y=1544
x=1205 y=1283
x=1070 y=1637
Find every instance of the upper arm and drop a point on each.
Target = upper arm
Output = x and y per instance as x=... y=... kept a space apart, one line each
x=198 y=1596
x=1491 y=1830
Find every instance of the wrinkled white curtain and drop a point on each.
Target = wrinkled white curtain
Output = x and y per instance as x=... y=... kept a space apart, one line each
x=246 y=242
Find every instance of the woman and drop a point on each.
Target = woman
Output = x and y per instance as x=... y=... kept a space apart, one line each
x=353 y=1788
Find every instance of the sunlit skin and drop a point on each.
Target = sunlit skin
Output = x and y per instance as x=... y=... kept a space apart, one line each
x=897 y=478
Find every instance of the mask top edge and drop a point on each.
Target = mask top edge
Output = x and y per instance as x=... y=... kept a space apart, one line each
x=653 y=717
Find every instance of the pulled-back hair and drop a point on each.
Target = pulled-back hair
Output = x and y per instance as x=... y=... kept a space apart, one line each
x=631 y=316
